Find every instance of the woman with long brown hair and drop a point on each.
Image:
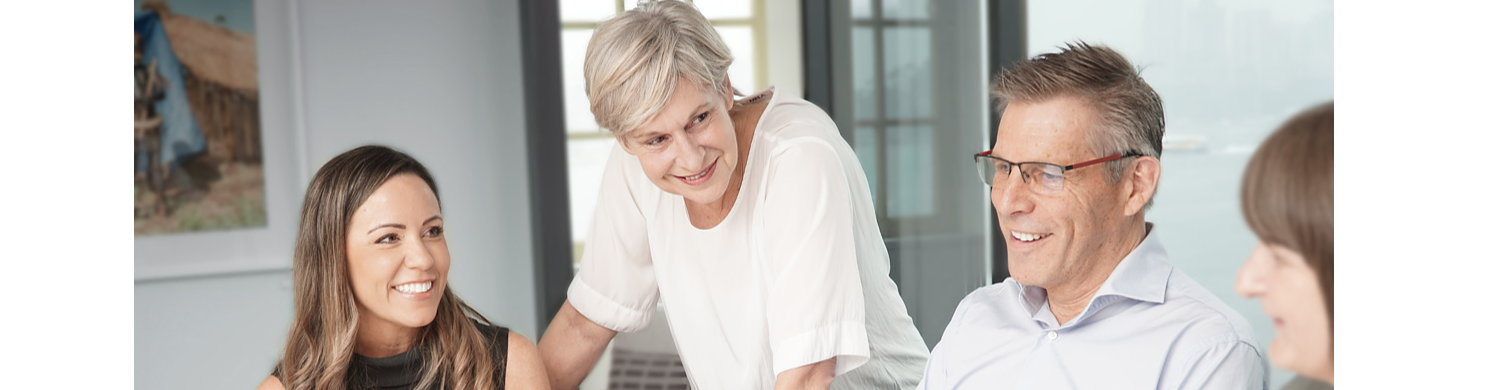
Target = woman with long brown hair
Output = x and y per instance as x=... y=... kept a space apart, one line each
x=373 y=306
x=1287 y=198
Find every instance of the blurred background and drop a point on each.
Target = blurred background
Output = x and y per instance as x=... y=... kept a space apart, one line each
x=489 y=95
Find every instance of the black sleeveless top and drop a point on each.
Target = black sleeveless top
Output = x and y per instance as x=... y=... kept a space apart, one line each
x=403 y=370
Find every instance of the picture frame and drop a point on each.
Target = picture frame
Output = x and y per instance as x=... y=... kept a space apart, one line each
x=283 y=140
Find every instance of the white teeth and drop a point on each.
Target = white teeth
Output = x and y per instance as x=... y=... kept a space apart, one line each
x=699 y=175
x=1028 y=237
x=414 y=288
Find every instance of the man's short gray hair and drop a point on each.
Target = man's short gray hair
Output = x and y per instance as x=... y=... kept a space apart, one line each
x=634 y=60
x=1130 y=114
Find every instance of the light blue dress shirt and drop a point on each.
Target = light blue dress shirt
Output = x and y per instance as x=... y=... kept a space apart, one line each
x=1148 y=327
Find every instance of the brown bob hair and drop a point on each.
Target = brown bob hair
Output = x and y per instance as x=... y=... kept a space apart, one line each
x=1287 y=193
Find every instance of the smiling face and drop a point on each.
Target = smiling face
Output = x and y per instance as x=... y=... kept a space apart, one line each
x=1053 y=239
x=688 y=149
x=398 y=256
x=1290 y=295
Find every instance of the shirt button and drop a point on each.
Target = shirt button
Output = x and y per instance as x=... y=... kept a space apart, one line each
x=1052 y=335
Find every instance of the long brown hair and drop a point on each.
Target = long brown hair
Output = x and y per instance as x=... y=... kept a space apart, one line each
x=1287 y=193
x=320 y=345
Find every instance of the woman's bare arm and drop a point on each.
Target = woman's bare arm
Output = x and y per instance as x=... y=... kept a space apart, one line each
x=817 y=376
x=571 y=346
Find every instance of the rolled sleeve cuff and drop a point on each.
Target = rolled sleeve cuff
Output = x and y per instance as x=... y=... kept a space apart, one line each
x=845 y=340
x=605 y=312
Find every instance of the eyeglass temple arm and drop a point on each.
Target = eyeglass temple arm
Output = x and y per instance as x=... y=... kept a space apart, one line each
x=1108 y=158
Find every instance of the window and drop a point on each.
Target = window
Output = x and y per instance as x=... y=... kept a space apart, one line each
x=917 y=108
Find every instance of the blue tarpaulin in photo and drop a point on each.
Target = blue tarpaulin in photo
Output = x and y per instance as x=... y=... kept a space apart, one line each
x=180 y=136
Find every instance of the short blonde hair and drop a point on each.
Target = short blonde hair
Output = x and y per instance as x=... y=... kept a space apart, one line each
x=635 y=59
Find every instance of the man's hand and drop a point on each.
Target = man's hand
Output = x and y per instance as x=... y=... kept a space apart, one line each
x=813 y=376
x=571 y=346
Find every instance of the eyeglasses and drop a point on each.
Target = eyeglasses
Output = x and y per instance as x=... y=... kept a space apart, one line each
x=1043 y=177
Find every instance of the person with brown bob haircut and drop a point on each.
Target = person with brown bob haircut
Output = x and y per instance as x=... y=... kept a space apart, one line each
x=1287 y=198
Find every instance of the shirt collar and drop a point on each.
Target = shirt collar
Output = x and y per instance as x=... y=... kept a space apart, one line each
x=1141 y=276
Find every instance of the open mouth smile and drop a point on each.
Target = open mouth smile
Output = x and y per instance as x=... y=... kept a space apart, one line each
x=701 y=177
x=1028 y=237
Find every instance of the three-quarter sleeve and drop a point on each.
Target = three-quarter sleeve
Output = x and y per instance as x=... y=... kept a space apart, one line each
x=616 y=285
x=816 y=305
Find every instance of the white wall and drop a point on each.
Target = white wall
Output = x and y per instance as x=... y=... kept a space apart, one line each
x=439 y=80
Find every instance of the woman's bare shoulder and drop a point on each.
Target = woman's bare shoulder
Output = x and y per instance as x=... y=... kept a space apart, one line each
x=523 y=364
x=271 y=383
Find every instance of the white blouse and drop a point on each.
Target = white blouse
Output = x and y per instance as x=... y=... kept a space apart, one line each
x=795 y=274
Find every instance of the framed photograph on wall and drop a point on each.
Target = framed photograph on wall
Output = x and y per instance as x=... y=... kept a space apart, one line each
x=217 y=159
x=198 y=157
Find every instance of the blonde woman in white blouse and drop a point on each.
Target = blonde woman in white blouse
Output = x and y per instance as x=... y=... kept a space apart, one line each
x=750 y=219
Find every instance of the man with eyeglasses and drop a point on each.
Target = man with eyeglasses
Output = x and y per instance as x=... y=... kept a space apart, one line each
x=1092 y=302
